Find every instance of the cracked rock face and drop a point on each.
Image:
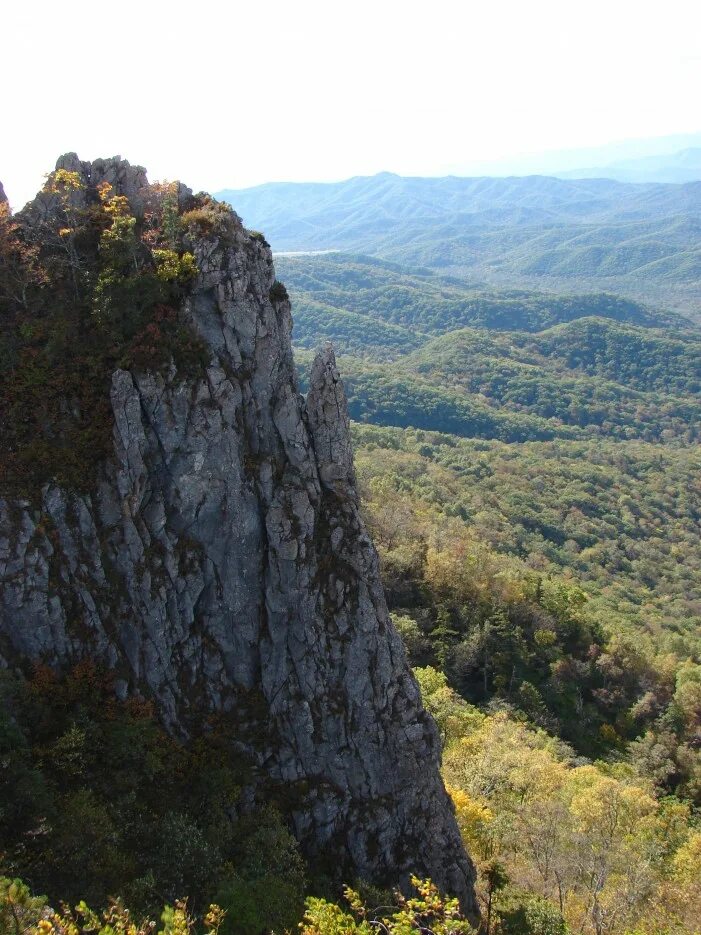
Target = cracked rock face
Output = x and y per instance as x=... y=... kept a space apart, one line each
x=221 y=564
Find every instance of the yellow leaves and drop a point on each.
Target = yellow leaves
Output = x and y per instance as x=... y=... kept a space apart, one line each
x=64 y=181
x=118 y=206
x=104 y=191
x=687 y=861
x=594 y=833
x=474 y=820
x=176 y=920
x=173 y=267
x=608 y=808
x=506 y=763
x=469 y=811
x=115 y=206
x=324 y=918
x=214 y=918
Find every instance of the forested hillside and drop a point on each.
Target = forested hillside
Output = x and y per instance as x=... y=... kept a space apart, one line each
x=529 y=366
x=529 y=467
x=535 y=231
x=331 y=290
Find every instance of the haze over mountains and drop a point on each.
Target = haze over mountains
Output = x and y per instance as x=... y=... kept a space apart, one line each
x=660 y=151
x=642 y=241
x=682 y=166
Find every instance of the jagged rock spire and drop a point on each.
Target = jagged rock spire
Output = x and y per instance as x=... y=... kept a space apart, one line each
x=221 y=564
x=329 y=425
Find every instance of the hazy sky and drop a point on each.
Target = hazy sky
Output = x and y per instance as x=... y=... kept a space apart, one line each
x=237 y=93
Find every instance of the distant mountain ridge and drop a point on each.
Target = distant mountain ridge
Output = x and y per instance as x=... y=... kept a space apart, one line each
x=319 y=215
x=642 y=241
x=678 y=167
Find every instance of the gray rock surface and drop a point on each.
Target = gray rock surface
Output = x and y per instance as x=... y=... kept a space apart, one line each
x=221 y=564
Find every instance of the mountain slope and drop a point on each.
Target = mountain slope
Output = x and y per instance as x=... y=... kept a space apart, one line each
x=530 y=366
x=296 y=215
x=330 y=291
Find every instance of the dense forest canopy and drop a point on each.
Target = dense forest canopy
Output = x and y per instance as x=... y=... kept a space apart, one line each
x=529 y=466
x=426 y=304
x=511 y=365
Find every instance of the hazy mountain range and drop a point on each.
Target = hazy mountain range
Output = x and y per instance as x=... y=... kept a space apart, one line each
x=537 y=232
x=607 y=160
x=679 y=167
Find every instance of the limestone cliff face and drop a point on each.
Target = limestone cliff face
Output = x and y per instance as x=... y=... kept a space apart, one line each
x=221 y=564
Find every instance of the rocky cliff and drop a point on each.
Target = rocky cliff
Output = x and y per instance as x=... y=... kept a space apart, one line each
x=219 y=563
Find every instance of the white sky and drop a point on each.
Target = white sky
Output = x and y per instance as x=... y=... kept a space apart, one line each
x=236 y=93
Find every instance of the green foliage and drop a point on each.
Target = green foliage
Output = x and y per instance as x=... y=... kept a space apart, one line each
x=428 y=911
x=538 y=577
x=535 y=916
x=478 y=384
x=20 y=912
x=413 y=305
x=267 y=889
x=604 y=377
x=175 y=267
x=615 y=518
x=278 y=292
x=395 y=396
x=531 y=366
x=84 y=289
x=96 y=800
x=23 y=914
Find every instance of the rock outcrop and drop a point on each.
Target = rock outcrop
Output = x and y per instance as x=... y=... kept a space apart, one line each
x=221 y=564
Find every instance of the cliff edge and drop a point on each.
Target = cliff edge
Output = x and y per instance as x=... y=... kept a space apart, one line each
x=219 y=563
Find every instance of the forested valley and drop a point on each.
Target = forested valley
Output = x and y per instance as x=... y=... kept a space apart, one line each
x=529 y=471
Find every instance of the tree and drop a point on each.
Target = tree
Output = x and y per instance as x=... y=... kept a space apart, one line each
x=427 y=913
